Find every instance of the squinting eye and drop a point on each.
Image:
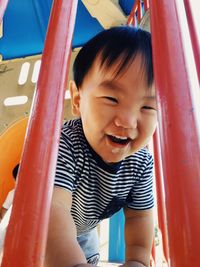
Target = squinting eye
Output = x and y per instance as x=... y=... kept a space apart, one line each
x=148 y=107
x=111 y=99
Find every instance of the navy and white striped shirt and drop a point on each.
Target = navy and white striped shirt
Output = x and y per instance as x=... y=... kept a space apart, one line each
x=98 y=189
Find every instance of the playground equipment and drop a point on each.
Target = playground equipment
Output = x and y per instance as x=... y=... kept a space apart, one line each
x=177 y=147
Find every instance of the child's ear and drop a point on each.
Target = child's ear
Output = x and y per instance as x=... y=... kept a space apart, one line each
x=75 y=98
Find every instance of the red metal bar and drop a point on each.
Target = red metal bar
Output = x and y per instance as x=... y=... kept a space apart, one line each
x=3 y=5
x=179 y=133
x=139 y=11
x=134 y=20
x=27 y=232
x=131 y=18
x=162 y=221
x=193 y=35
x=146 y=5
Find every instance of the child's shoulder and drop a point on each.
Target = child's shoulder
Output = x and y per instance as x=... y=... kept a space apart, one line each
x=72 y=134
x=72 y=128
x=139 y=163
x=143 y=157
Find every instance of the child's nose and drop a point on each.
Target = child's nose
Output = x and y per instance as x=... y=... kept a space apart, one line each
x=126 y=120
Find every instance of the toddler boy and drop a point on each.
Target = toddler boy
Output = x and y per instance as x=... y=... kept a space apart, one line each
x=103 y=164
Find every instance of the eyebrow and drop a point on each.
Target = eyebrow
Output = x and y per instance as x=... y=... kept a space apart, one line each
x=153 y=97
x=113 y=86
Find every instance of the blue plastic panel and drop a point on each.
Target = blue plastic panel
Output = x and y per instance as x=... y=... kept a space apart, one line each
x=85 y=26
x=25 y=24
x=116 y=238
x=126 y=6
x=24 y=28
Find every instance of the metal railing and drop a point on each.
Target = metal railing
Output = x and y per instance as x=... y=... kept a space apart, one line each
x=139 y=9
x=176 y=81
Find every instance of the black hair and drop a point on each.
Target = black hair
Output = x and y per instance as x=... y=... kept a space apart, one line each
x=15 y=171
x=115 y=45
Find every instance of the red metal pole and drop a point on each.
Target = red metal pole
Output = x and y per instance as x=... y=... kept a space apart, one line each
x=131 y=18
x=179 y=133
x=139 y=11
x=146 y=5
x=193 y=35
x=162 y=220
x=3 y=5
x=137 y=7
x=27 y=232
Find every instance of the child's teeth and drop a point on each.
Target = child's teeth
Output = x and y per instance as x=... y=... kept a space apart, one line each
x=120 y=137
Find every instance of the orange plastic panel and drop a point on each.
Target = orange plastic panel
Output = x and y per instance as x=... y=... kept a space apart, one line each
x=11 y=143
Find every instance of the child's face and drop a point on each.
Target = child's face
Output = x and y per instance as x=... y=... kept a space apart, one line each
x=118 y=114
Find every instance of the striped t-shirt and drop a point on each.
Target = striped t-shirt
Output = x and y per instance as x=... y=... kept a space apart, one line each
x=98 y=189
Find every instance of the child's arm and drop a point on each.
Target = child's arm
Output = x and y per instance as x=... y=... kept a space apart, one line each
x=63 y=249
x=139 y=231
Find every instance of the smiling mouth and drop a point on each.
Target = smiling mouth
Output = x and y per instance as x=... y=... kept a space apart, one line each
x=119 y=140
